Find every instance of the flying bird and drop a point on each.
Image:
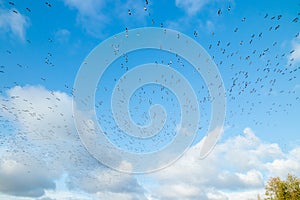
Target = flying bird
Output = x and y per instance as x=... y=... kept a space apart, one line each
x=48 y=4
x=296 y=20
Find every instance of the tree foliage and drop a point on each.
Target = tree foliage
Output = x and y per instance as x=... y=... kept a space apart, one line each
x=277 y=189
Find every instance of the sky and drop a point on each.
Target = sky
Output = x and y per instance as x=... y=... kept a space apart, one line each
x=255 y=46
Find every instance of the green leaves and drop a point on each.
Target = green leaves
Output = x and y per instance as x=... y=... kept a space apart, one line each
x=277 y=189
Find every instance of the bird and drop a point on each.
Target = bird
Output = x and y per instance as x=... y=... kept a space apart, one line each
x=279 y=17
x=295 y=20
x=195 y=33
x=48 y=4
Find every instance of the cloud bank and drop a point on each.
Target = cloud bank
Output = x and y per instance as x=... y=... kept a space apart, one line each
x=45 y=146
x=39 y=145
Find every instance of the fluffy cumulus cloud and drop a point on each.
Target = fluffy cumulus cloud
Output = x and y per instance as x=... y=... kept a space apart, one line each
x=13 y=23
x=24 y=177
x=236 y=169
x=39 y=146
x=44 y=145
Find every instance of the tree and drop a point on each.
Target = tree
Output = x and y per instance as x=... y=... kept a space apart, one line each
x=277 y=189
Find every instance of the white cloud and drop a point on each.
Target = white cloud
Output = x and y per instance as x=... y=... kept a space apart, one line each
x=249 y=195
x=94 y=17
x=13 y=23
x=24 y=177
x=46 y=145
x=90 y=15
x=289 y=164
x=191 y=7
x=88 y=7
x=294 y=57
x=236 y=169
x=209 y=25
x=62 y=35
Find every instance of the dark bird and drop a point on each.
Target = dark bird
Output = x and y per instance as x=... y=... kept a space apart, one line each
x=48 y=4
x=11 y=3
x=279 y=17
x=296 y=20
x=28 y=9
x=195 y=33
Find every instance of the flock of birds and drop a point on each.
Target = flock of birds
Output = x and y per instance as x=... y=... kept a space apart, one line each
x=245 y=86
x=28 y=9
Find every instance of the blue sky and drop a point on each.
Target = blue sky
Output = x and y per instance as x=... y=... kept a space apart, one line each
x=255 y=44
